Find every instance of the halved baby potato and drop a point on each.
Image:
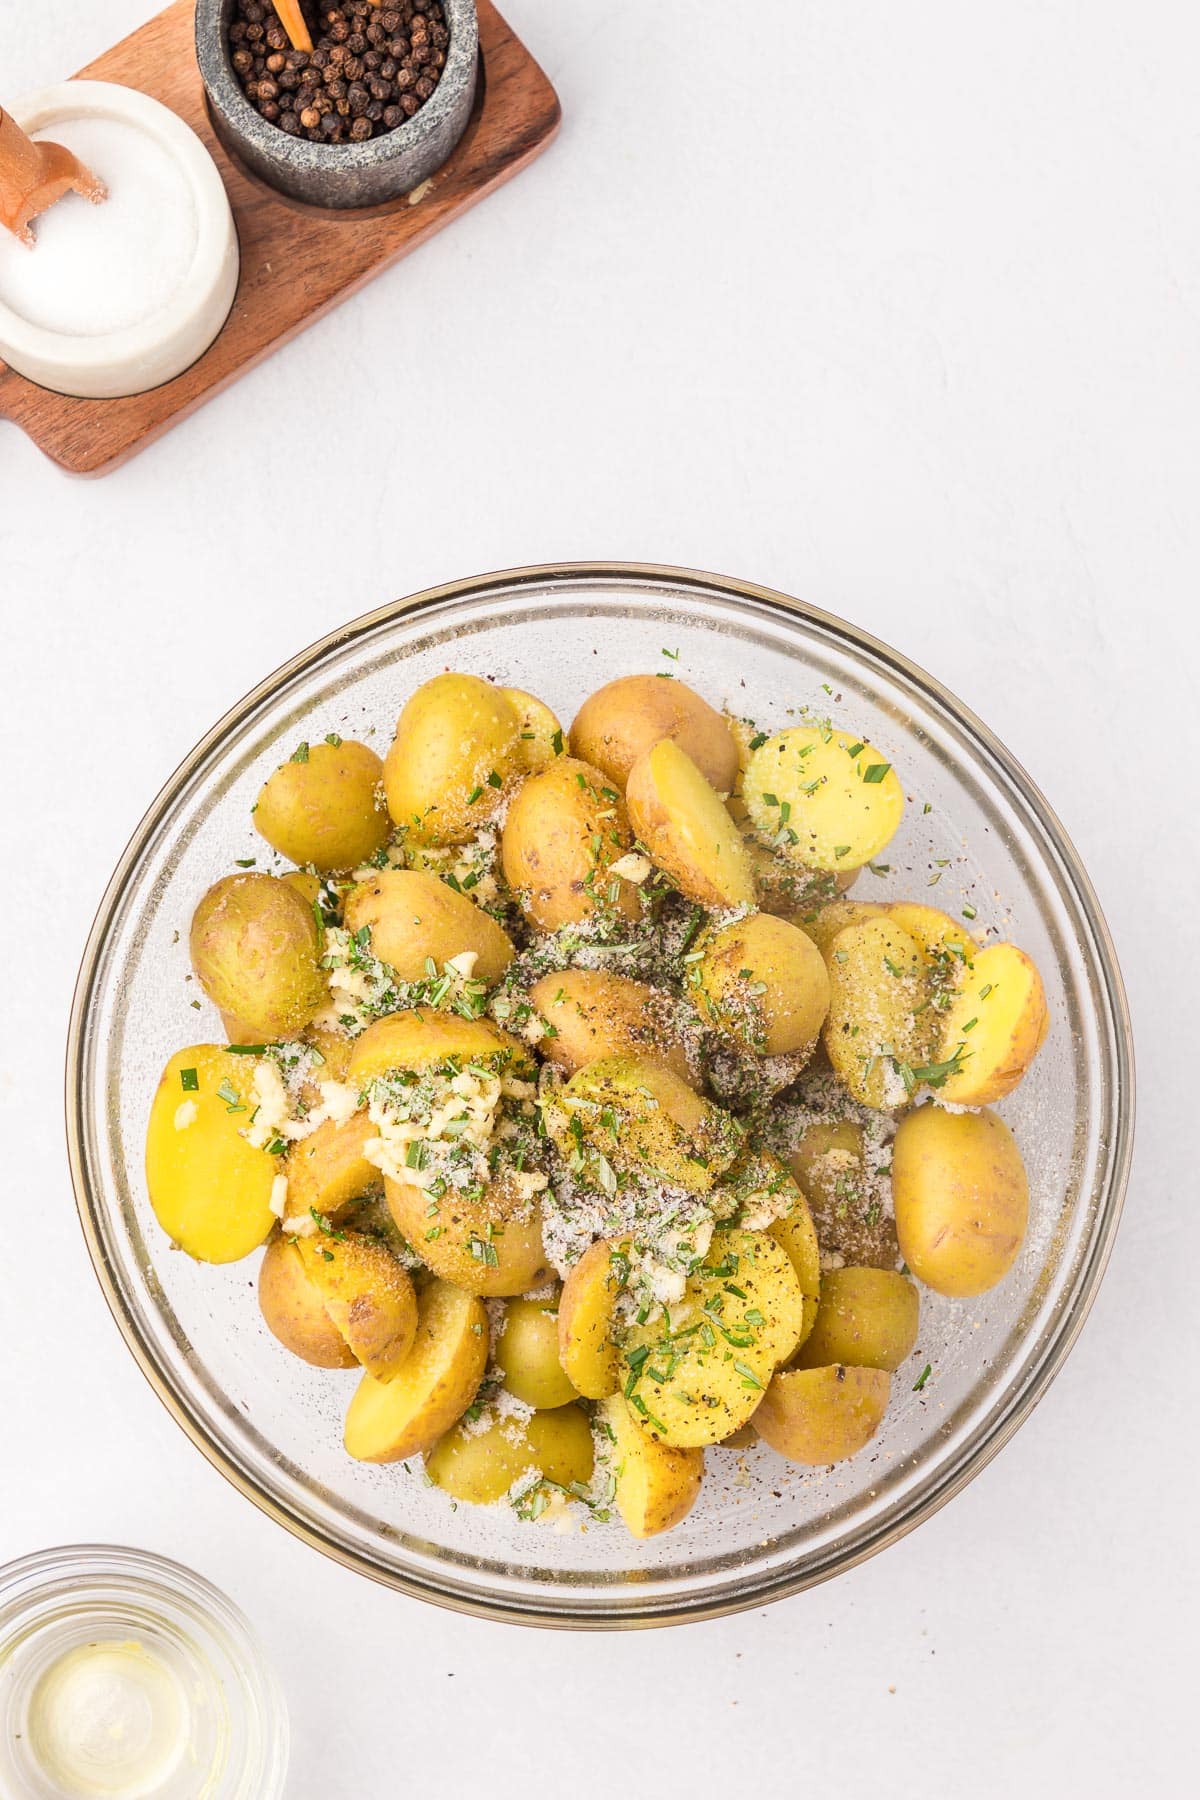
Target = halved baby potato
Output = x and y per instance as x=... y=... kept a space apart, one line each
x=685 y=827
x=564 y=829
x=456 y=752
x=820 y=1416
x=637 y=1115
x=627 y=717
x=994 y=1028
x=489 y=1246
x=656 y=1484
x=422 y=1037
x=830 y=1163
x=961 y=1197
x=480 y=1463
x=541 y=737
x=935 y=931
x=368 y=1296
x=587 y=1346
x=878 y=1021
x=526 y=1350
x=324 y=806
x=328 y=1170
x=593 y=1013
x=699 y=1370
x=823 y=796
x=294 y=1309
x=823 y=925
x=389 y=1420
x=209 y=1188
x=414 y=918
x=763 y=983
x=867 y=1319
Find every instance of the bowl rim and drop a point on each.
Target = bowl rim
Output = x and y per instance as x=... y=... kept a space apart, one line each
x=1016 y=1406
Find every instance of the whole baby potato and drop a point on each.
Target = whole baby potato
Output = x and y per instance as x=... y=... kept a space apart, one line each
x=414 y=918
x=456 y=751
x=627 y=717
x=765 y=984
x=325 y=806
x=867 y=1318
x=255 y=950
x=210 y=1188
x=541 y=734
x=480 y=1465
x=367 y=1295
x=593 y=1013
x=961 y=1197
x=294 y=1309
x=830 y=1163
x=565 y=828
x=492 y=1245
x=819 y=1416
x=526 y=1348
x=686 y=828
x=422 y=1036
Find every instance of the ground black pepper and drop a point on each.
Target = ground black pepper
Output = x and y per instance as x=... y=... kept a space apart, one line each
x=370 y=69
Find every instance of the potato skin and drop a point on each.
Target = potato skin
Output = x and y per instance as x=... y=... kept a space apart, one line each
x=625 y=718
x=998 y=1023
x=413 y=917
x=661 y=1122
x=209 y=1188
x=867 y=1318
x=657 y=1485
x=325 y=809
x=481 y=1467
x=823 y=925
x=453 y=734
x=254 y=947
x=564 y=828
x=517 y=1244
x=422 y=1036
x=595 y=1013
x=295 y=1311
x=368 y=1297
x=327 y=1170
x=390 y=1420
x=821 y=1416
x=587 y=1346
x=686 y=829
x=527 y=1351
x=761 y=952
x=961 y=1197
x=829 y=1163
x=541 y=737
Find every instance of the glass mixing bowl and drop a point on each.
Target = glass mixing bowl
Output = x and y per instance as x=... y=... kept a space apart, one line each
x=762 y=1527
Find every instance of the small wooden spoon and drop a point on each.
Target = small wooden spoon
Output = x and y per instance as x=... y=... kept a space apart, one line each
x=34 y=175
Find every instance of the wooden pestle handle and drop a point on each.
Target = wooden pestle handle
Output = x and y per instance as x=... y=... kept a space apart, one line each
x=34 y=175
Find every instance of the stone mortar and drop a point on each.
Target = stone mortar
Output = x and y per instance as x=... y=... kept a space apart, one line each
x=341 y=175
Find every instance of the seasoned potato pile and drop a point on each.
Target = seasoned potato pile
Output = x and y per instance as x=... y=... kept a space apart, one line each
x=574 y=1105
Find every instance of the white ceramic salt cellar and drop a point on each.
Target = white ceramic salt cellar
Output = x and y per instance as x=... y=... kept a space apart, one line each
x=118 y=298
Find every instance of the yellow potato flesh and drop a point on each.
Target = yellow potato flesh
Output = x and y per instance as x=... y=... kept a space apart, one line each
x=867 y=1319
x=820 y=1416
x=489 y=1246
x=656 y=1484
x=254 y=947
x=210 y=1189
x=995 y=1027
x=961 y=1197
x=480 y=1466
x=587 y=1346
x=823 y=925
x=456 y=748
x=414 y=918
x=638 y=1115
x=807 y=795
x=389 y=1420
x=624 y=719
x=594 y=1014
x=325 y=809
x=423 y=1037
x=935 y=931
x=878 y=1019
x=564 y=829
x=697 y=1372
x=686 y=829
x=295 y=1311
x=765 y=983
x=541 y=737
x=526 y=1349
x=367 y=1295
x=327 y=1170
x=797 y=1234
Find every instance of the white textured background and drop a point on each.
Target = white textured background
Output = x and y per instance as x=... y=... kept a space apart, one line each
x=895 y=307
